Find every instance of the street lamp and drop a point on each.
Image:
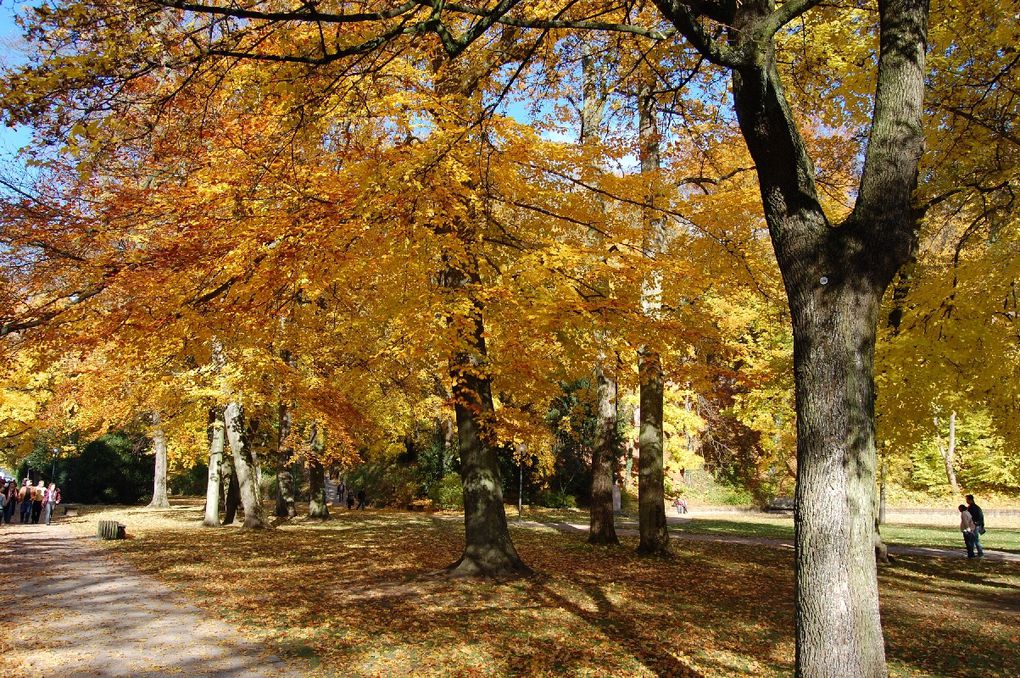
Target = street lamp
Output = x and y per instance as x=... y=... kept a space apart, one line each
x=53 y=469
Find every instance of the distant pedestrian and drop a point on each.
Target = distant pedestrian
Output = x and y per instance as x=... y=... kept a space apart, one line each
x=38 y=496
x=25 y=501
x=361 y=499
x=11 y=504
x=680 y=504
x=350 y=500
x=341 y=491
x=51 y=499
x=979 y=522
x=968 y=529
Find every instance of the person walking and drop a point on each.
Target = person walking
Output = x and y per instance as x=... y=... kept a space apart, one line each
x=25 y=501
x=968 y=529
x=12 y=501
x=38 y=496
x=979 y=523
x=51 y=499
x=361 y=499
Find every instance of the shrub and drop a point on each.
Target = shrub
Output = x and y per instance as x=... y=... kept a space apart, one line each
x=448 y=493
x=555 y=499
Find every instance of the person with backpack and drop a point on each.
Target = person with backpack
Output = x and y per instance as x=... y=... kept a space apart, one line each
x=979 y=523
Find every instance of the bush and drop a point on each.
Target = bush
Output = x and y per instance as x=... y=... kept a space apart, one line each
x=555 y=499
x=448 y=493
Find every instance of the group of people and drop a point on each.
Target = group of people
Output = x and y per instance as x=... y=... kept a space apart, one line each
x=32 y=502
x=346 y=496
x=972 y=524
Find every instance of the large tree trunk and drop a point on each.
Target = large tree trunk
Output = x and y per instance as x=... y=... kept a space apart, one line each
x=212 y=492
x=318 y=507
x=602 y=529
x=601 y=525
x=834 y=279
x=244 y=468
x=159 y=495
x=837 y=596
x=284 y=474
x=231 y=490
x=488 y=548
x=654 y=535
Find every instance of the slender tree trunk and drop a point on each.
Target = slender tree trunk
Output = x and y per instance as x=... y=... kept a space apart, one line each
x=318 y=507
x=212 y=492
x=949 y=453
x=654 y=535
x=159 y=495
x=602 y=529
x=244 y=467
x=284 y=474
x=231 y=490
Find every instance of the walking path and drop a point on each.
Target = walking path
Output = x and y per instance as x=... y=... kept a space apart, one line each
x=73 y=611
x=625 y=529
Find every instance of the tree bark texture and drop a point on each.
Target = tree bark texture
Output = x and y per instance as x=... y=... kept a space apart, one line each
x=602 y=529
x=488 y=548
x=653 y=534
x=834 y=277
x=159 y=495
x=284 y=475
x=244 y=467
x=601 y=520
x=318 y=507
x=212 y=492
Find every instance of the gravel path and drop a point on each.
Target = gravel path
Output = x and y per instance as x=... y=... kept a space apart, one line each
x=70 y=610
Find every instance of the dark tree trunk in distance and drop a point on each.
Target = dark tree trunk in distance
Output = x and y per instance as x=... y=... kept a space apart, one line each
x=284 y=474
x=232 y=491
x=317 y=505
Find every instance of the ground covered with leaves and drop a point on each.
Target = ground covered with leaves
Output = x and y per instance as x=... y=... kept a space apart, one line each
x=358 y=595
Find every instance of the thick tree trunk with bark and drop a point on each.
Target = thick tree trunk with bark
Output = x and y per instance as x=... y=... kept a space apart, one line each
x=601 y=529
x=601 y=522
x=318 y=507
x=244 y=467
x=212 y=492
x=231 y=490
x=652 y=528
x=834 y=277
x=654 y=536
x=284 y=475
x=488 y=548
x=159 y=495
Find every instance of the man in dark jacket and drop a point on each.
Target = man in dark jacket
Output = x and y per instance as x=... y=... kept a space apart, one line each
x=979 y=522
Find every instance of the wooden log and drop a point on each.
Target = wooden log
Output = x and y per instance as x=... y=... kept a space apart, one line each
x=110 y=529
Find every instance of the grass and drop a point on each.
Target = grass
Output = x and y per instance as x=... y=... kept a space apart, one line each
x=354 y=596
x=776 y=526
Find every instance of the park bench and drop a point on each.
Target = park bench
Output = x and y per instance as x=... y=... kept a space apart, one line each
x=111 y=529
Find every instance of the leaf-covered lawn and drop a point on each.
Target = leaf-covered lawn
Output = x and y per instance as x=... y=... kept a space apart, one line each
x=354 y=596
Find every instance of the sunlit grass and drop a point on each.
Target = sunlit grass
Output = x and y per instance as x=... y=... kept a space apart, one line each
x=358 y=595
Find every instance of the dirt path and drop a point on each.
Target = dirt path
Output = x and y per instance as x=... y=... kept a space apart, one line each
x=70 y=610
x=674 y=533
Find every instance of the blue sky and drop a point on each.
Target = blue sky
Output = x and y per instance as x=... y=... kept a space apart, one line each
x=10 y=54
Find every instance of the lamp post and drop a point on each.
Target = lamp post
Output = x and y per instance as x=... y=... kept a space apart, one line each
x=53 y=468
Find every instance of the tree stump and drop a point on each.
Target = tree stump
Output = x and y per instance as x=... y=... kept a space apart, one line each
x=110 y=529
